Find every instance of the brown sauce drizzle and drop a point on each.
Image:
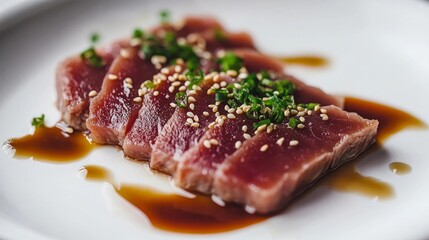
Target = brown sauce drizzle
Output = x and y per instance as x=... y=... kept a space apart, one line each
x=50 y=144
x=176 y=213
x=347 y=177
x=399 y=168
x=305 y=60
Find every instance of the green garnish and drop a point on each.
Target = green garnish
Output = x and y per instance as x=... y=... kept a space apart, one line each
x=261 y=123
x=230 y=62
x=221 y=95
x=149 y=84
x=293 y=122
x=92 y=58
x=219 y=35
x=181 y=99
x=138 y=33
x=95 y=37
x=195 y=78
x=311 y=106
x=38 y=121
x=164 y=16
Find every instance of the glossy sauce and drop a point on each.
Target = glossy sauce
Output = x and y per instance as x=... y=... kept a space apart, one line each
x=347 y=177
x=309 y=61
x=50 y=144
x=399 y=168
x=176 y=213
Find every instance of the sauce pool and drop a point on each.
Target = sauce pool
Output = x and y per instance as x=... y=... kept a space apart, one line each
x=308 y=61
x=399 y=168
x=50 y=144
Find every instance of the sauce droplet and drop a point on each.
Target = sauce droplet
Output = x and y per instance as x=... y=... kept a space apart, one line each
x=50 y=144
x=399 y=168
x=309 y=61
x=96 y=173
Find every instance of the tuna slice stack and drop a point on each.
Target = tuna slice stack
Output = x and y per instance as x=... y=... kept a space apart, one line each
x=203 y=105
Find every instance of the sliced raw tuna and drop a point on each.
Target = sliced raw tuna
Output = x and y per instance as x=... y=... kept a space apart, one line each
x=117 y=104
x=75 y=78
x=266 y=172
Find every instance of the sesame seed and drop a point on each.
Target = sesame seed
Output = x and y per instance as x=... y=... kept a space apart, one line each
x=195 y=125
x=69 y=130
x=299 y=108
x=93 y=93
x=317 y=108
x=322 y=110
x=324 y=116
x=270 y=128
x=189 y=120
x=231 y=116
x=264 y=148
x=206 y=143
x=196 y=118
x=217 y=103
x=220 y=121
x=244 y=128
x=205 y=113
x=216 y=78
x=178 y=68
x=309 y=112
x=211 y=125
x=171 y=89
x=171 y=78
x=137 y=99
x=127 y=85
x=210 y=91
x=214 y=142
x=299 y=114
x=293 y=143
x=246 y=136
x=128 y=80
x=187 y=83
x=211 y=105
x=293 y=112
x=239 y=111
x=231 y=73
x=155 y=93
x=223 y=84
x=190 y=114
x=165 y=71
x=112 y=76
x=173 y=105
x=192 y=106
x=191 y=92
x=124 y=53
x=191 y=99
x=280 y=141
x=237 y=85
x=231 y=110
x=261 y=128
x=302 y=119
x=226 y=107
x=182 y=88
x=237 y=144
x=300 y=126
x=215 y=108
x=216 y=86
x=176 y=83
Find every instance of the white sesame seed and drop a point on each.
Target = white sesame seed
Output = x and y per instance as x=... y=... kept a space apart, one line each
x=189 y=120
x=246 y=136
x=264 y=148
x=216 y=78
x=317 y=108
x=187 y=83
x=216 y=86
x=231 y=116
x=178 y=68
x=261 y=128
x=280 y=141
x=214 y=142
x=300 y=126
x=211 y=125
x=293 y=143
x=137 y=99
x=192 y=106
x=171 y=89
x=244 y=128
x=322 y=110
x=211 y=105
x=176 y=84
x=112 y=76
x=173 y=105
x=190 y=114
x=237 y=85
x=231 y=73
x=93 y=93
x=293 y=112
x=239 y=111
x=299 y=114
x=270 y=128
x=171 y=78
x=309 y=112
x=215 y=108
x=196 y=118
x=124 y=53
x=206 y=143
x=302 y=119
x=155 y=93
x=237 y=144
x=220 y=121
x=195 y=125
x=226 y=107
x=231 y=110
x=217 y=103
x=165 y=71
x=182 y=88
x=128 y=80
x=191 y=92
x=191 y=99
x=205 y=113
x=210 y=91
x=223 y=84
x=324 y=117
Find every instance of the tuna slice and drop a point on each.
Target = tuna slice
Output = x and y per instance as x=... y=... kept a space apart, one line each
x=197 y=166
x=115 y=107
x=142 y=136
x=176 y=138
x=268 y=180
x=75 y=79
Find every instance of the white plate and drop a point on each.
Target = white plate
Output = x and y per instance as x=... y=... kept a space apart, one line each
x=378 y=50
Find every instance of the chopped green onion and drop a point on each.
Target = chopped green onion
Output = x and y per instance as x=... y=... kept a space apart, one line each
x=221 y=95
x=38 y=121
x=138 y=33
x=230 y=62
x=149 y=84
x=181 y=99
x=92 y=58
x=311 y=106
x=194 y=78
x=219 y=35
x=95 y=37
x=164 y=16
x=293 y=122
x=261 y=123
